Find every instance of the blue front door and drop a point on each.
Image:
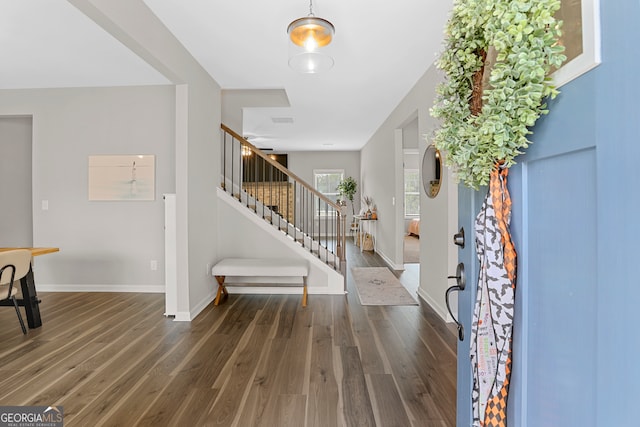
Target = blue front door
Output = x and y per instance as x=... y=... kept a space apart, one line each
x=575 y=223
x=469 y=204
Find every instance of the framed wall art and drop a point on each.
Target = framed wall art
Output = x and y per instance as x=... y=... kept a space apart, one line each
x=122 y=177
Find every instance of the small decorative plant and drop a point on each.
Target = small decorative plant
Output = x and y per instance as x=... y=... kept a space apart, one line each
x=347 y=189
x=482 y=127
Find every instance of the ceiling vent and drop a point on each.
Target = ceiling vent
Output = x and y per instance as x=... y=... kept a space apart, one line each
x=282 y=120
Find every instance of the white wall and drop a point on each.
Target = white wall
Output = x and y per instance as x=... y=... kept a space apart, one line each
x=243 y=234
x=381 y=164
x=16 y=218
x=235 y=101
x=410 y=135
x=438 y=223
x=197 y=138
x=103 y=244
x=111 y=244
x=411 y=159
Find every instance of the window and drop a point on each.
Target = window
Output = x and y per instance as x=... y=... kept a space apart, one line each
x=326 y=182
x=411 y=192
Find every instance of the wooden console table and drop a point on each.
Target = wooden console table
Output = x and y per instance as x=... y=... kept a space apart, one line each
x=30 y=300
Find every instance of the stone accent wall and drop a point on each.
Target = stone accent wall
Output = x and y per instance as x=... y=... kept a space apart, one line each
x=278 y=195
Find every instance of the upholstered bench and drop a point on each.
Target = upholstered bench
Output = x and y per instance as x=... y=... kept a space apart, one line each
x=259 y=267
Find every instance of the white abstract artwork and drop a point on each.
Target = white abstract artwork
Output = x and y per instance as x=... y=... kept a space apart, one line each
x=123 y=177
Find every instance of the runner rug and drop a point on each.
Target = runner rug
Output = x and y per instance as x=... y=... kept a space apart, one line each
x=378 y=286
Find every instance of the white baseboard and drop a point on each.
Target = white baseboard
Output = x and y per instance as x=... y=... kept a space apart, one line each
x=189 y=316
x=154 y=289
x=440 y=311
x=390 y=263
x=182 y=316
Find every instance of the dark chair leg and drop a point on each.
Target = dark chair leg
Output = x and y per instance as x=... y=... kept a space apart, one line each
x=15 y=304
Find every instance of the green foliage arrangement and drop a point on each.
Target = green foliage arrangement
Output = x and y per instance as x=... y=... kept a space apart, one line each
x=347 y=188
x=524 y=34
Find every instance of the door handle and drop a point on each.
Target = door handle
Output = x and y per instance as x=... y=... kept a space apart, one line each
x=460 y=285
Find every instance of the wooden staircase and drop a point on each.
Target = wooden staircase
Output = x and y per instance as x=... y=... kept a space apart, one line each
x=283 y=200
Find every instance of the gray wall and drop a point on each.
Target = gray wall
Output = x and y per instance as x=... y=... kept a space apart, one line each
x=197 y=139
x=103 y=244
x=410 y=136
x=16 y=219
x=244 y=234
x=381 y=164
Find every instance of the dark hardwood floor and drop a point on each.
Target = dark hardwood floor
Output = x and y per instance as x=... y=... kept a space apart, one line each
x=256 y=360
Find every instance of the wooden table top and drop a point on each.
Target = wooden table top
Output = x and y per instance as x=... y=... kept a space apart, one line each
x=34 y=251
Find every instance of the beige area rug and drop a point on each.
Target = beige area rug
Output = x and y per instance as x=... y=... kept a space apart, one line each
x=378 y=286
x=411 y=249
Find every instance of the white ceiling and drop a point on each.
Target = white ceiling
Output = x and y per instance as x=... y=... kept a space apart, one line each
x=50 y=43
x=381 y=48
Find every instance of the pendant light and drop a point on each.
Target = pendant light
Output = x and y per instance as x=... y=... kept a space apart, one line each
x=308 y=36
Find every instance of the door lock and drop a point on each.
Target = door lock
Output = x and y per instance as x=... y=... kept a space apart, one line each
x=460 y=285
x=458 y=238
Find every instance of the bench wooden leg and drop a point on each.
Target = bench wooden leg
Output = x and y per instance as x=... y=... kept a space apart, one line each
x=304 y=291
x=221 y=290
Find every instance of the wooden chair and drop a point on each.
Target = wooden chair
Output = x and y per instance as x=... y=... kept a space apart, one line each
x=14 y=265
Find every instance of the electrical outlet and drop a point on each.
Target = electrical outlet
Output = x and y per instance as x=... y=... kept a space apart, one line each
x=208 y=268
x=154 y=265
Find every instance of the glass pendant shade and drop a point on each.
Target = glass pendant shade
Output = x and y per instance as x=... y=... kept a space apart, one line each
x=311 y=62
x=311 y=32
x=308 y=36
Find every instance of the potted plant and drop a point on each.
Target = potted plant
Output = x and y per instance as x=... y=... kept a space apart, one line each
x=347 y=189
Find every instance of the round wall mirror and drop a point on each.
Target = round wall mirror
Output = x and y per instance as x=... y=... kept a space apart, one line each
x=432 y=171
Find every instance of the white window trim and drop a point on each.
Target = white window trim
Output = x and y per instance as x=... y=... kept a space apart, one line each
x=325 y=172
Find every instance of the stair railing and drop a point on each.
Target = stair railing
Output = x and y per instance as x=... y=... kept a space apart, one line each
x=277 y=195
